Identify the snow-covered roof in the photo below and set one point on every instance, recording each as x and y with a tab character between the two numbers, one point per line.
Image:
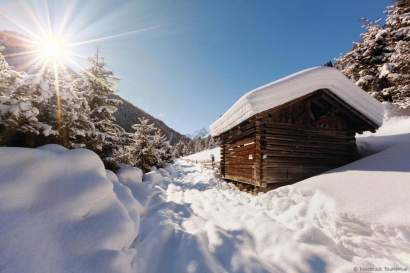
294	86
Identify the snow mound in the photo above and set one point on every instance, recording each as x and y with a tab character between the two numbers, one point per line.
153	177
59	213
128	174
375	188
372	188
53	148
294	86
395	131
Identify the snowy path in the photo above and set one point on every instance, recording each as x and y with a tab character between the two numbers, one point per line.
194	222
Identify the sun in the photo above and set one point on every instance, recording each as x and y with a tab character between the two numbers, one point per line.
53	49
50	41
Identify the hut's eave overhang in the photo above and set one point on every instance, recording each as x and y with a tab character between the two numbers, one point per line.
293	87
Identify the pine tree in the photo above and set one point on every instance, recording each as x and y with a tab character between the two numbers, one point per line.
66	109
20	103
163	148
189	148
144	150
179	149
147	147
380	62
98	84
125	151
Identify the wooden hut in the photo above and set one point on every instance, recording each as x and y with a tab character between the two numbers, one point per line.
294	128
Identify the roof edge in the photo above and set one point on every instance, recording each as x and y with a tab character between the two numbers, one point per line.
291	87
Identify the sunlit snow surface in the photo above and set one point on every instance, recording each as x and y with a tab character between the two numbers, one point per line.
60	211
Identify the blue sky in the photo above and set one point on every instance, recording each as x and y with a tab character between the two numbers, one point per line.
191	60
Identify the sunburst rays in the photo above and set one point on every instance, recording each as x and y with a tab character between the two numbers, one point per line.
48	44
46	39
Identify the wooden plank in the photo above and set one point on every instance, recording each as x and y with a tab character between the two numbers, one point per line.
307	140
241	142
239	160
279	161
238	167
305	150
244	149
240	179
346	148
277	129
232	138
248	174
238	132
305	155
309	143
307	164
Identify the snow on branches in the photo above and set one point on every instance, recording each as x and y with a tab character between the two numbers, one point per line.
146	147
20	102
74	110
380	62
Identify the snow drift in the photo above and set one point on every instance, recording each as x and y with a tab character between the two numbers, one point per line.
294	86
59	213
375	188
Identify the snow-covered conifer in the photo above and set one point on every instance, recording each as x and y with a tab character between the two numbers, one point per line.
179	149
380	62
20	103
163	148
147	147
66	109
144	150
98	85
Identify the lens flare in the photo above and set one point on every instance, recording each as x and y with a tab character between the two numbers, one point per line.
53	49
47	40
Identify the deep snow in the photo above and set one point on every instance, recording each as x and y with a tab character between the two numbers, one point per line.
61	211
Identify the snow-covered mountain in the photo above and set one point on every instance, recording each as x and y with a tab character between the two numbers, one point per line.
201	133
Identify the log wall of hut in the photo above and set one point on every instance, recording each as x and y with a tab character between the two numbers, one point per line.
238	149
280	146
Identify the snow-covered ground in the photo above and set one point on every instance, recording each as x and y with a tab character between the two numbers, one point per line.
61	211
205	156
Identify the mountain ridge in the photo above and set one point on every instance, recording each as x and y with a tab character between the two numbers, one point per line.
127	115
198	134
